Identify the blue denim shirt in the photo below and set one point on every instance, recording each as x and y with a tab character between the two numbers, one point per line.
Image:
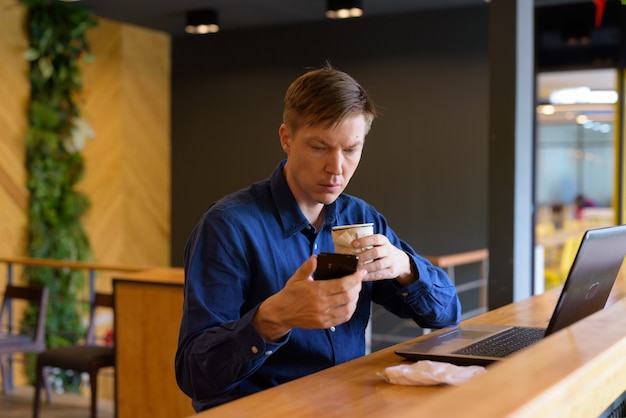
243	250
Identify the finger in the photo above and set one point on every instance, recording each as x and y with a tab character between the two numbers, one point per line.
369	255
342	285
352	281
369	241
350	288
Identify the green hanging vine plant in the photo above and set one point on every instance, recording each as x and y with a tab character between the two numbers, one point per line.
55	136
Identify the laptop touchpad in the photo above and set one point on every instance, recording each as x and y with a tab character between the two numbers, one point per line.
454	339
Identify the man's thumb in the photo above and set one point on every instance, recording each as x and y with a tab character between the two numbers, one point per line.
306	269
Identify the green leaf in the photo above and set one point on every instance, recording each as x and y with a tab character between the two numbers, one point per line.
31	54
46	68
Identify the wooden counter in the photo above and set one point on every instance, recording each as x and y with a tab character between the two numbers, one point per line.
148	308
577	372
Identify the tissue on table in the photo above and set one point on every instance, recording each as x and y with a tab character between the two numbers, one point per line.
429	373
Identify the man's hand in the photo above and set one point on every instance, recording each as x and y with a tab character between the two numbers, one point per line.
382	260
307	303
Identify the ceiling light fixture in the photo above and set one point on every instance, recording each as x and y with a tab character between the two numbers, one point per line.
583	95
342	9
200	22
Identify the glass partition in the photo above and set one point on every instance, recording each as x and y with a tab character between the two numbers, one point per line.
574	166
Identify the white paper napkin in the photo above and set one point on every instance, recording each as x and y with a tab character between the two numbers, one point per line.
429	373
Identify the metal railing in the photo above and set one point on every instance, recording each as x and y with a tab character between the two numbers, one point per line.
90	268
450	261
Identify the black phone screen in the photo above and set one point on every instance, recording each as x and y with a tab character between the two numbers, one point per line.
333	265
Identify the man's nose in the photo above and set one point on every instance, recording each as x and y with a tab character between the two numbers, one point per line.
335	163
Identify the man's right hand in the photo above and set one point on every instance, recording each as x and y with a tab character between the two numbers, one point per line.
307	303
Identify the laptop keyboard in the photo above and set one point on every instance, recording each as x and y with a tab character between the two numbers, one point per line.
504	343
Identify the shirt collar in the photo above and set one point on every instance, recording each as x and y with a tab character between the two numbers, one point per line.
291	217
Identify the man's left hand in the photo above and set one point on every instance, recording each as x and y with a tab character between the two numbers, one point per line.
382	260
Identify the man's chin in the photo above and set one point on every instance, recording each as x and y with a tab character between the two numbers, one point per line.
327	199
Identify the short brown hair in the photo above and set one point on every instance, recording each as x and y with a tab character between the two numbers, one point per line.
325	95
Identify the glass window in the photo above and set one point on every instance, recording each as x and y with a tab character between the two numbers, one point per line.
575	163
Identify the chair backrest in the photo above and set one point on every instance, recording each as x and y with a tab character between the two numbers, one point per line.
36	295
100	300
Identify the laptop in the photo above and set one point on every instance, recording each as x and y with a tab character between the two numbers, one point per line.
586	290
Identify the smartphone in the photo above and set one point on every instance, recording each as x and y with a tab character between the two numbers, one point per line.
333	265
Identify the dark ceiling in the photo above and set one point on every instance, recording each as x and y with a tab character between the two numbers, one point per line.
169	15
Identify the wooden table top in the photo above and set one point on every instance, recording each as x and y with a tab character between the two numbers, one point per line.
578	371
157	275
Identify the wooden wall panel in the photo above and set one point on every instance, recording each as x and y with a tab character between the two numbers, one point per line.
146	58
126	99
14	93
128	170
103	181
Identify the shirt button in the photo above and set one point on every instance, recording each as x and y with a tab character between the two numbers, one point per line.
315	246
332	329
269	353
405	294
254	349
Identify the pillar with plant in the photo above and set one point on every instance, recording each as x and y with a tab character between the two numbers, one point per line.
55	137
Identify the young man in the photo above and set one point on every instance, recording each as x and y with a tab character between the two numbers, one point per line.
253	316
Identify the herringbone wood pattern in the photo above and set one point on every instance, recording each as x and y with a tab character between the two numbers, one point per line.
126	99
128	163
14	91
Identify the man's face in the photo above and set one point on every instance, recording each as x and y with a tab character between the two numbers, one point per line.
321	161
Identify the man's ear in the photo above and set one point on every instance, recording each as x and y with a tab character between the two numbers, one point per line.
285	138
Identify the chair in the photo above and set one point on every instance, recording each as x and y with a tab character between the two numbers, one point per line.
14	340
555	277
85	358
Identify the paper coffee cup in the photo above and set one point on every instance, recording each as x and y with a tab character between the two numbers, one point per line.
343	236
